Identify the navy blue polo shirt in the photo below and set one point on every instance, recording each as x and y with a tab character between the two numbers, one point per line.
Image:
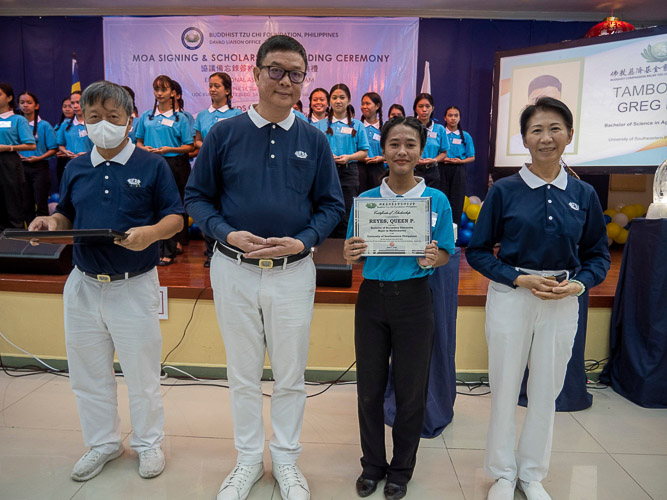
541	226
136	188
272	179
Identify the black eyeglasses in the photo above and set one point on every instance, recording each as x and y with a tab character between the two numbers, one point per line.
277	73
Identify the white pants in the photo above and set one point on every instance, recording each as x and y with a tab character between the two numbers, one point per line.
524	330
260	309
101	318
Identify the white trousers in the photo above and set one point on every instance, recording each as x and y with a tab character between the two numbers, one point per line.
260	310
101	318
522	330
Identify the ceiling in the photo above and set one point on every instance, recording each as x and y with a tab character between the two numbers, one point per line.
640	12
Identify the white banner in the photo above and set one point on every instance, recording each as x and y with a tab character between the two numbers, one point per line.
367	54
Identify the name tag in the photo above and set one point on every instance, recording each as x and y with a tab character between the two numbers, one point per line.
434	218
166	122
83	133
5	124
346	130
457	141
433	135
376	137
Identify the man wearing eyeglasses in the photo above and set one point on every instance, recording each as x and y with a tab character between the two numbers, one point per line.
265	186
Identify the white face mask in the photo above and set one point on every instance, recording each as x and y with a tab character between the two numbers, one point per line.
106	135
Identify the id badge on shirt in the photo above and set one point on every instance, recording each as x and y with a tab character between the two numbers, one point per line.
433	135
376	137
83	133
457	141
5	124
346	130
166	122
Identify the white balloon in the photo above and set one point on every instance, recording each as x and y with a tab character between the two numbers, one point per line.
620	218
474	200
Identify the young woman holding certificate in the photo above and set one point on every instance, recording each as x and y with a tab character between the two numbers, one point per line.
394	316
553	246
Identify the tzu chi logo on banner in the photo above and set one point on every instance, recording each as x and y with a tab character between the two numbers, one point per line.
192	38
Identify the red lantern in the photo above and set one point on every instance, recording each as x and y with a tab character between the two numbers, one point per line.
609	26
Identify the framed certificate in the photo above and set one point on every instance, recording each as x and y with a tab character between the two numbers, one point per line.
67	237
393	227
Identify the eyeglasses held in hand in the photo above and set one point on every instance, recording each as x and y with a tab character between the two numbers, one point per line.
277	73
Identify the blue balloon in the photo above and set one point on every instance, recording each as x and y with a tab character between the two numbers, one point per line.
54	198
464	237
464	219
469	226
607	219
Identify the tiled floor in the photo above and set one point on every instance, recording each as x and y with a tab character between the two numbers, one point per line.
612	451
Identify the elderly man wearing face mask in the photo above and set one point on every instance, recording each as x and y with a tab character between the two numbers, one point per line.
111	296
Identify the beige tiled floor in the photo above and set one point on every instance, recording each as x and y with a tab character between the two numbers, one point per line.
613	451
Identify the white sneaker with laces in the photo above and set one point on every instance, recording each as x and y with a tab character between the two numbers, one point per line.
502	489
239	482
293	485
533	490
92	462
151	463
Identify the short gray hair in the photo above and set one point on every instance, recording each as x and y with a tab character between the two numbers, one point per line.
102	91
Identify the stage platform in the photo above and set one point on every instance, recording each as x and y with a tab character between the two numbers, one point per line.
187	278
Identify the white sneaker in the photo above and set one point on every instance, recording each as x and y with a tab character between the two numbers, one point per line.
293	485
533	490
502	489
91	464
151	462
238	484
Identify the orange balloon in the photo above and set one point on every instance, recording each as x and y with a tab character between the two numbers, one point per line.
473	211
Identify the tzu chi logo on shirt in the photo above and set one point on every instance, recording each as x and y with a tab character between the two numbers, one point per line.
574	206
301	154
135	183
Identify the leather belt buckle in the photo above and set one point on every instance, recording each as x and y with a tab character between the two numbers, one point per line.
265	263
104	278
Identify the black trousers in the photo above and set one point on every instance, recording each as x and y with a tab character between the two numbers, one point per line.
392	318
36	189
61	163
349	182
11	190
453	184
180	168
370	175
431	175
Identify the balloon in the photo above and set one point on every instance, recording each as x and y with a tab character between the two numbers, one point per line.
464	218
610	212
466	202
469	225
54	198
619	206
609	241
641	210
190	221
612	230
629	210
622	237
607	219
621	219
474	200
473	211
464	237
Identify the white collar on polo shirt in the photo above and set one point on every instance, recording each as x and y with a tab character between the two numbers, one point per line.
375	125
6	115
166	114
334	120
75	121
260	121
222	109
415	192
122	157
454	132
534	181
32	122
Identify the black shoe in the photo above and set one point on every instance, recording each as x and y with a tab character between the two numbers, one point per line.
393	491
207	262
365	486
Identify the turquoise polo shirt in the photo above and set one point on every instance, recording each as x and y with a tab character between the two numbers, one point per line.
46	138
341	141
164	129
456	147
436	142
373	134
209	117
14	130
442	230
73	135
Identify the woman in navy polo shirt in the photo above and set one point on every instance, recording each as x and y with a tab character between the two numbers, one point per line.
349	144
220	90
35	163
460	152
15	136
166	131
394	316
435	150
553	247
372	171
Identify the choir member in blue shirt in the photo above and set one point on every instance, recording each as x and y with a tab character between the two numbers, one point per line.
349	144
553	247
220	90
460	152
66	114
372	168
15	137
435	150
318	107
35	163
394	318
396	110
72	136
166	131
